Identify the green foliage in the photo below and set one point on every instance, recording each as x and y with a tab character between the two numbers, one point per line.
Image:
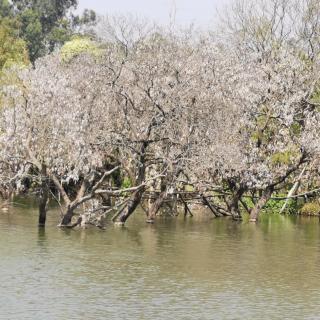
316	96
256	136
39	20
13	50
248	202
264	129
78	46
274	205
32	33
126	183
60	34
9	77
281	158
88	18
5	8
44	25
284	158
295	129
310	209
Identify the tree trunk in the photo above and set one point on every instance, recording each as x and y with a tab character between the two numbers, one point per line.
233	200
266	195
186	208
293	190
234	209
44	197
208	204
131	206
67	217
156	206
233	205
84	221
136	196
43	206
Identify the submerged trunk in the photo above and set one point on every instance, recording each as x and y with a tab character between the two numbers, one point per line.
130	207
156	206
173	205
67	217
234	209
186	208
293	190
43	207
5	196
233	204
44	197
211	207
136	196
266	195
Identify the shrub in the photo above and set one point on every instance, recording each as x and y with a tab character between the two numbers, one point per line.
79	46
310	209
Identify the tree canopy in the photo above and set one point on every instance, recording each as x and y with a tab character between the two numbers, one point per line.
13	50
44	25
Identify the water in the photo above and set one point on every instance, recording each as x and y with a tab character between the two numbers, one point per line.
176	269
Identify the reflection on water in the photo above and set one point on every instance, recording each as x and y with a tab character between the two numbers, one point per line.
175	269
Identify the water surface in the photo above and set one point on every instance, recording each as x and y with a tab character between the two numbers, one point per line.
175	269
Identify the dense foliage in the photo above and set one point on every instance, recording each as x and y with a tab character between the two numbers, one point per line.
44	25
13	50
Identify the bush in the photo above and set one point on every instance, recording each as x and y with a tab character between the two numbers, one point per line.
274	206
77	46
310	209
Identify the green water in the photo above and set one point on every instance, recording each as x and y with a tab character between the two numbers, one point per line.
175	269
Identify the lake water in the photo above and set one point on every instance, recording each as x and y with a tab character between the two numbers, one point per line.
175	269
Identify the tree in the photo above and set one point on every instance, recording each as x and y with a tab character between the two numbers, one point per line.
52	112
45	25
12	49
5	9
273	77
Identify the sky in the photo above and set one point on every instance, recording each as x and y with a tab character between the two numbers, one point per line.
199	12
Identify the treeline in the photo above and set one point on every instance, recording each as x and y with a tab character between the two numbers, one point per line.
150	116
30	29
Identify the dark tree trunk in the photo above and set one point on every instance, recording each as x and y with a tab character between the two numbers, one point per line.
234	209
233	204
43	206
131	206
186	208
44	197
208	204
265	197
136	196
67	217
232	201
155	207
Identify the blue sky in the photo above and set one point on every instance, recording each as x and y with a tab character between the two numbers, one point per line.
200	12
